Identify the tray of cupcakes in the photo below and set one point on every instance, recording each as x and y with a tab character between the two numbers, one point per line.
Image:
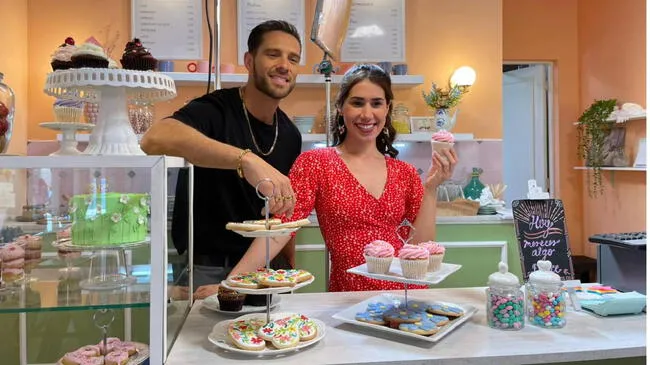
251	334
420	264
427	320
268	281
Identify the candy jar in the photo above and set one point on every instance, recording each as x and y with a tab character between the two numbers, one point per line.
6	114
401	119
505	300
545	304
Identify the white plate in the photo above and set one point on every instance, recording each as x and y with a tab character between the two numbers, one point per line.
137	359
219	336
273	290
268	233
347	316
395	274
212	303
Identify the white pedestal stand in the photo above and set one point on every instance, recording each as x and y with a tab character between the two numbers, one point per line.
68	144
112	89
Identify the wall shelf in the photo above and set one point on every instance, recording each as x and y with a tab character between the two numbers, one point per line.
630	168
304	80
632	118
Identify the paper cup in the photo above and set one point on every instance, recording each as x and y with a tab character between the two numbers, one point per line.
435	262
378	265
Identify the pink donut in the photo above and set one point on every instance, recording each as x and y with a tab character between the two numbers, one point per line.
111	344
128	347
89	351
14	264
11	252
73	358
116	358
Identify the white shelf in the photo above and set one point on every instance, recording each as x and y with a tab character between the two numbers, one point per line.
87	161
612	168
613	120
417	137
304	80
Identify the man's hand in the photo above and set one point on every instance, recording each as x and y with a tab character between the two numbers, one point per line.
281	199
205	291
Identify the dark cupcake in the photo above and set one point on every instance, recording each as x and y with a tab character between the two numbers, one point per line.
256	300
61	58
136	57
230	300
90	54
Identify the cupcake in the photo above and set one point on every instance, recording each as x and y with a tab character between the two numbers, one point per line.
136	57
90	54
67	111
230	300
436	254
61	58
441	140
256	300
414	261
379	255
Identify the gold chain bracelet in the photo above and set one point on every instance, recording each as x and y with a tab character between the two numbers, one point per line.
240	169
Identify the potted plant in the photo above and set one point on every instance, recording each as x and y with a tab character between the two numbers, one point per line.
441	101
593	129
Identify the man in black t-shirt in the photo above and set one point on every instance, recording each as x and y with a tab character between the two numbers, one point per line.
235	138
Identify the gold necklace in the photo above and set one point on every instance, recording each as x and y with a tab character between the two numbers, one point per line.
275	120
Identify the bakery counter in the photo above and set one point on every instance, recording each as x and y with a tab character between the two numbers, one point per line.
469	219
585	337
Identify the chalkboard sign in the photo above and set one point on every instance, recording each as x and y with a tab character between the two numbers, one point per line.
541	232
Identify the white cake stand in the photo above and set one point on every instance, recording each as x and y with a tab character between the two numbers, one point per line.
112	89
68	145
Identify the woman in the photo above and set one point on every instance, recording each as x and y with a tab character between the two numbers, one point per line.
360	191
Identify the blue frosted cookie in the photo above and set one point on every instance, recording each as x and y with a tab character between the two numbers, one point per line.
438	320
445	310
397	316
370	317
416	306
377	308
426	326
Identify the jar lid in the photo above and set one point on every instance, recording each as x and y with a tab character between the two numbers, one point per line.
544	275
503	277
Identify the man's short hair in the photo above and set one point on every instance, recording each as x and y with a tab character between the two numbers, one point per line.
257	34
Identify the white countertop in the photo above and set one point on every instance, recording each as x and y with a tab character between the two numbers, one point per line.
585	337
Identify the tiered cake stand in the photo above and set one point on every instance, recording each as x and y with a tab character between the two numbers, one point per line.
68	145
112	89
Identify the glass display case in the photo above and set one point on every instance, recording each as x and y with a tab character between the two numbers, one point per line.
98	258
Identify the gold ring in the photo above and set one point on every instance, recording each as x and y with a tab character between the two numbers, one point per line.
278	198
288	198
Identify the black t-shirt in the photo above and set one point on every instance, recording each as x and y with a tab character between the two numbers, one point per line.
220	196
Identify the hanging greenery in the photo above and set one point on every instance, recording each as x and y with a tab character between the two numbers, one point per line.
593	129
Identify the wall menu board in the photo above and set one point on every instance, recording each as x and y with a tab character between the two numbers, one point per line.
253	12
377	32
540	226
172	29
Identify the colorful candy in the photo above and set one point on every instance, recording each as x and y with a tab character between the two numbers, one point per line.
505	312
547	309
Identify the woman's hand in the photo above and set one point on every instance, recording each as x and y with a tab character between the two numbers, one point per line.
205	291
442	168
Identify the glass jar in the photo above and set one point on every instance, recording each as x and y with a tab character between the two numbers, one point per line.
505	300
545	303
401	119
474	187
7	102
140	116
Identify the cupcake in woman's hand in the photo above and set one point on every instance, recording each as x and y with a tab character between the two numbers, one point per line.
90	54
414	261
379	255
436	254
136	57
441	140
61	58
230	300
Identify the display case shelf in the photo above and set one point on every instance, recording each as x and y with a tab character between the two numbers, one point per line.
630	168
82	161
304	80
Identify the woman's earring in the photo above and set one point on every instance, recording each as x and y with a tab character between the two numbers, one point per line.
341	128
386	132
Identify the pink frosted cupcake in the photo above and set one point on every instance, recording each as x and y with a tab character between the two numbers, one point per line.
441	140
379	255
436	254
414	260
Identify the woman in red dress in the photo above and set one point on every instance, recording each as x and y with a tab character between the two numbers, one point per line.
360	191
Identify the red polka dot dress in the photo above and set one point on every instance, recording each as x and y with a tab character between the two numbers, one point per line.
349	216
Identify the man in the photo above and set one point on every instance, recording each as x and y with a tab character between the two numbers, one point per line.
235	138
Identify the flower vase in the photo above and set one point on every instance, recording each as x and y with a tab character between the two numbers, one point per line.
444	119
7	101
474	188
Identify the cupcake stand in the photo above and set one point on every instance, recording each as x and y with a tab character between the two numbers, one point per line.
68	145
219	335
111	89
395	275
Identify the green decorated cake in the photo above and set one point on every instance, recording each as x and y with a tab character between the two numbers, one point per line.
109	218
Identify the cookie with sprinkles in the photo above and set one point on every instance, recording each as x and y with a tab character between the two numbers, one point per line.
245	280
243	334
276	279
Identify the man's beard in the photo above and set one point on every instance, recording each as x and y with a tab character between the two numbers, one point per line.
263	84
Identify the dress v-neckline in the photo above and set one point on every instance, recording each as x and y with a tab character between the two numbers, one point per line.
351	175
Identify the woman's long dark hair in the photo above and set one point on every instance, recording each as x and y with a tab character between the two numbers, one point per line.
379	77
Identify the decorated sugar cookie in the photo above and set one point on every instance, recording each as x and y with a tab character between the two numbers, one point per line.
243	334
307	328
245	280
371	317
445	310
425	326
276	279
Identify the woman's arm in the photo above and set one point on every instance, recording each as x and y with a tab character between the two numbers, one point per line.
442	168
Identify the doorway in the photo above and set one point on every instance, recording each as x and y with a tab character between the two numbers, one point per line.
527	128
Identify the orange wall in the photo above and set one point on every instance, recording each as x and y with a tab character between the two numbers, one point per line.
612	55
547	30
466	32
13	18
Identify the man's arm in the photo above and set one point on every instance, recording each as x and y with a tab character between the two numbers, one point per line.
172	137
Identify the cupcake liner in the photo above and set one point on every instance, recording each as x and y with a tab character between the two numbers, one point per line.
414	269
439	146
435	262
66	114
378	265
231	302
